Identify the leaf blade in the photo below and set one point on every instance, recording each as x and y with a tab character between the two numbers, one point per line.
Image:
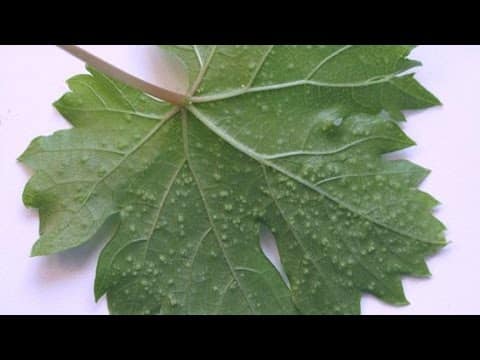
290	137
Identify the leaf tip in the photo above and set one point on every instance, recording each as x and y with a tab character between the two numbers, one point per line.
97	297
98	290
40	248
36	251
403	302
435	101
407	142
21	157
400	299
57	104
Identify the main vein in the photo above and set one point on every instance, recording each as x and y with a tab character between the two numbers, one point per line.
238	92
207	210
147	137
290	227
265	161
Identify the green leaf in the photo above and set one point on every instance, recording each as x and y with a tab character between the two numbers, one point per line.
287	137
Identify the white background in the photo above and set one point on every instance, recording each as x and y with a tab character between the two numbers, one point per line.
448	138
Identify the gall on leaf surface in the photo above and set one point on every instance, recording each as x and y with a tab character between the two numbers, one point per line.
287	137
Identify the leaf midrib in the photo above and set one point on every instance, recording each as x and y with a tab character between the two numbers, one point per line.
134	149
308	255
207	210
238	92
307	80
261	160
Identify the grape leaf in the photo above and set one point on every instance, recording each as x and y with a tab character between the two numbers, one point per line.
287	137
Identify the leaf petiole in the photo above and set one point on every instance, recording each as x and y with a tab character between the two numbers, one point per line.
120	75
